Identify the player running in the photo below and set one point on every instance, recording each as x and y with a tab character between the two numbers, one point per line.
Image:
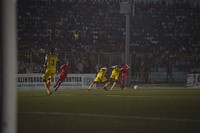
124	75
100	77
63	74
114	77
50	65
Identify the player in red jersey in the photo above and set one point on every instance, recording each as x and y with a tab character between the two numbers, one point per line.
63	74
124	75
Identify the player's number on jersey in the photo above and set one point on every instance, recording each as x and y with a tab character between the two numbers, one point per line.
52	62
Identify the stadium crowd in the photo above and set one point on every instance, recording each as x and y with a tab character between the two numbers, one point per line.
92	26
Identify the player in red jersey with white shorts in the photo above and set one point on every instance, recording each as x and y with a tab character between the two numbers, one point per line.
63	74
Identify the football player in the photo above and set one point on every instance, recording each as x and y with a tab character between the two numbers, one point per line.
50	65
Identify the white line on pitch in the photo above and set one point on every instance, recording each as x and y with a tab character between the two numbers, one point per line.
140	96
116	116
149	96
131	96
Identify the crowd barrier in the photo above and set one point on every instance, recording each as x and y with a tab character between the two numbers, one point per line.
81	81
73	81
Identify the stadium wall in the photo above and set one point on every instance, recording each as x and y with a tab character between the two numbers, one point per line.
176	77
73	81
82	81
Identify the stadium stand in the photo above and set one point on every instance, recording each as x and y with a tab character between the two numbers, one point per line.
162	33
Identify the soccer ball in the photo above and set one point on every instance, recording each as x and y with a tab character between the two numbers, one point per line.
135	87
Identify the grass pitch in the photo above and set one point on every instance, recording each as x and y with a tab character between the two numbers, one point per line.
150	110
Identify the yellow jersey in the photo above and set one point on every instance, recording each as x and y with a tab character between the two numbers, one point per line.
116	71
51	62
101	75
102	72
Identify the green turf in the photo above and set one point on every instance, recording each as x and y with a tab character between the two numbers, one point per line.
129	111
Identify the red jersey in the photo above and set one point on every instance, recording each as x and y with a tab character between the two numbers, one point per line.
64	69
125	70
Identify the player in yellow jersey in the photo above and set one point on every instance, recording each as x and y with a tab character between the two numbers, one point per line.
50	65
114	77
100	77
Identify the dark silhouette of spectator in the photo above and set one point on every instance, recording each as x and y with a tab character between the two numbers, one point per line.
156	27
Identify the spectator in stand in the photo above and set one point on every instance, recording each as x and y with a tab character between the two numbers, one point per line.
157	26
80	67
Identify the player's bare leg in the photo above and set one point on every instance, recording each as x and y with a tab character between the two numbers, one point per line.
122	84
91	86
57	86
104	87
47	85
114	84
